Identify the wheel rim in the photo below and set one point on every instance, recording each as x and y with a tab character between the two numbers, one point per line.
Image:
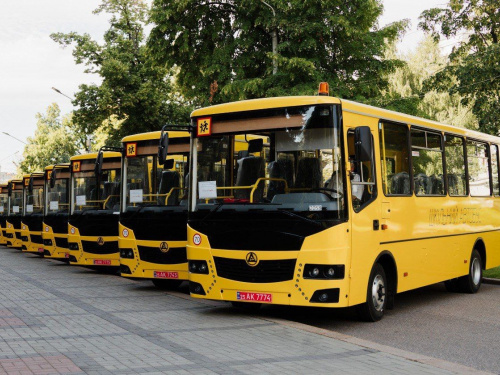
378	293
475	270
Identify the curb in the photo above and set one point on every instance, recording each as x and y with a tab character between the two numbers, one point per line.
415	357
488	280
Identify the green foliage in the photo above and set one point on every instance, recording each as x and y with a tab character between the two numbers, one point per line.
223	49
407	92
134	90
54	141
474	71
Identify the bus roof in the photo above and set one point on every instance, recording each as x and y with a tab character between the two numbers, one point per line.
37	174
347	105
62	165
154	135
15	181
93	155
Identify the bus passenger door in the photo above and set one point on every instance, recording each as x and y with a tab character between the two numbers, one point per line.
364	208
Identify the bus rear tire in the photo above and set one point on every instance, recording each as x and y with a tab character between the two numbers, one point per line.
471	282
167	284
376	296
246	306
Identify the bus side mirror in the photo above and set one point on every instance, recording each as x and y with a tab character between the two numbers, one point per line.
363	143
98	164
53	178
163	148
9	191
30	186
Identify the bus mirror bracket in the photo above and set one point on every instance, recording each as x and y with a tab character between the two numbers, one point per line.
363	143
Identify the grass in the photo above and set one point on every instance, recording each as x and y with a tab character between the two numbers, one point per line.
494	273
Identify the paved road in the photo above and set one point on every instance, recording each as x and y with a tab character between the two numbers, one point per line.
61	319
461	328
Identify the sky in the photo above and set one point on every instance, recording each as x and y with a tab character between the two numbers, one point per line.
31	63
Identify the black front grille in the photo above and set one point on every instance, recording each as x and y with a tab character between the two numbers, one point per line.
61	242
108	247
266	271
4	233
35	238
18	235
174	255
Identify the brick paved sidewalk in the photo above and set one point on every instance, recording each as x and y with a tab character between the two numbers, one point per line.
61	319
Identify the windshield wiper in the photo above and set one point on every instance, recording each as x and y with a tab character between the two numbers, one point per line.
291	214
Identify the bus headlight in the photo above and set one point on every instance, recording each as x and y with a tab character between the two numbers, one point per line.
198	266
127	253
324	271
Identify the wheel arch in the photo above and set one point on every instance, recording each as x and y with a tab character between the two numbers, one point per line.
480	246
387	261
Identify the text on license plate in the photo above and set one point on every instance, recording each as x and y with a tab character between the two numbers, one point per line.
102	262
40	249
166	275
255	297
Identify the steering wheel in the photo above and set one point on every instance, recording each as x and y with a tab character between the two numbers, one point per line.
328	189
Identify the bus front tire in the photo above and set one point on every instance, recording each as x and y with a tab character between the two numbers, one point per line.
471	282
376	296
167	284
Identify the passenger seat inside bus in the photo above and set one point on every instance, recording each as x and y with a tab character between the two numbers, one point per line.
111	190
308	174
169	180
281	168
250	169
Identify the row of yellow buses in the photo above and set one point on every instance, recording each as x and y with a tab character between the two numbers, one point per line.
305	201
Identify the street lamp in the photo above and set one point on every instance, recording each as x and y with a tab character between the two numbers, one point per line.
17	139
63	94
274	37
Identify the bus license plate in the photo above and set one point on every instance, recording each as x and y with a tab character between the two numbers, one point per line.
166	275
254	297
66	255
102	262
40	249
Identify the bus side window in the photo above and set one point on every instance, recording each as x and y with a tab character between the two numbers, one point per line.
494	169
477	163
427	160
455	165
395	159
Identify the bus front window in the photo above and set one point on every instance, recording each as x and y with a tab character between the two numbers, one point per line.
152	184
87	195
57	197
16	202
289	162
34	200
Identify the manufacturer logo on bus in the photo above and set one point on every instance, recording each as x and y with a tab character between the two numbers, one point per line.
100	241
252	259
164	247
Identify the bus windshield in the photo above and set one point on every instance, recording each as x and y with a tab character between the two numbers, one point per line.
34	200
286	159
16	203
151	184
57	196
86	195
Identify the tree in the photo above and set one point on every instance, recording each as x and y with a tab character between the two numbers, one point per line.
474	71
406	91
54	141
223	49
133	89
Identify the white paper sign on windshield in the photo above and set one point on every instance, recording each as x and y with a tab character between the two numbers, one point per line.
54	205
136	196
207	189
29	208
81	200
15	209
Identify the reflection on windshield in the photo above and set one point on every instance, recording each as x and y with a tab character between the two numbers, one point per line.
87	196
34	200
4	204
16	203
151	184
294	168
57	196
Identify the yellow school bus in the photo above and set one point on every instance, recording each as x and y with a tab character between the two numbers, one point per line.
4	209
341	204
14	216
32	219
55	220
152	232
94	209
